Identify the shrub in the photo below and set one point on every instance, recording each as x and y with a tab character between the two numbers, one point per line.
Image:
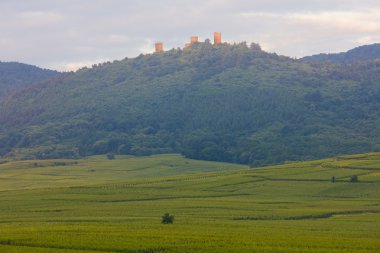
110	156
354	179
59	164
333	179
167	219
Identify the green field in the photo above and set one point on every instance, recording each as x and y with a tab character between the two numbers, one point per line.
100	205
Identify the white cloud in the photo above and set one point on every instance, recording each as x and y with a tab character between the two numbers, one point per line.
368	21
73	66
118	38
146	47
41	16
305	33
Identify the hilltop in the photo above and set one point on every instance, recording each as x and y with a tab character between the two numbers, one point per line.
362	53
232	103
16	76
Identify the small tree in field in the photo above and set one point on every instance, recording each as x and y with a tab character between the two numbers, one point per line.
354	179
333	179
167	219
110	156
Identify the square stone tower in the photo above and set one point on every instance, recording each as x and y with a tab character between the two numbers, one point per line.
159	46
217	38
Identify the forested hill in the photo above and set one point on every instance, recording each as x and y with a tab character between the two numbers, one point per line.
15	76
227	103
362	53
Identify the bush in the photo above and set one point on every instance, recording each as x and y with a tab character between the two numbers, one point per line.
167	219
60	164
354	179
333	179
110	156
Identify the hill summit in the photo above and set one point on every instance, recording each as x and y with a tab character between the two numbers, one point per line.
232	103
16	76
362	53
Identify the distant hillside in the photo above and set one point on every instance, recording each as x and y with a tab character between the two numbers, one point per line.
363	53
15	76
227	103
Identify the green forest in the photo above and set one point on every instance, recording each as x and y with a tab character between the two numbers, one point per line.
362	53
15	76
230	103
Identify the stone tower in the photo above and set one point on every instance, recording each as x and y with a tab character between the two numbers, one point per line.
193	39
159	46
217	38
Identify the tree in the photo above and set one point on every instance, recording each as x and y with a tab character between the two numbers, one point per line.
110	156
167	219
354	179
333	179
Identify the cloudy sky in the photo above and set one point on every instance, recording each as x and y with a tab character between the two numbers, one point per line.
68	34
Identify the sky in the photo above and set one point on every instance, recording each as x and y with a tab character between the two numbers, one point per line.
68	34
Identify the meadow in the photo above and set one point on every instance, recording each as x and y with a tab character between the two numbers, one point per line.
100	205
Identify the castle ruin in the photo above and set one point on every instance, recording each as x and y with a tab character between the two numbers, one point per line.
159	46
217	38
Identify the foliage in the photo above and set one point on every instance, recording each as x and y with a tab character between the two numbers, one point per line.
230	103
167	219
16	76
362	53
110	156
354	179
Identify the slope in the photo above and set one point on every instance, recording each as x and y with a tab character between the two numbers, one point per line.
16	76
362	53
226	103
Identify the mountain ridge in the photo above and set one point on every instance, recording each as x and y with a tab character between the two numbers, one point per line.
15	76
361	53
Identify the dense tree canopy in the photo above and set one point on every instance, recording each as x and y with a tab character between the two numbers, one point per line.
231	103
362	53
17	76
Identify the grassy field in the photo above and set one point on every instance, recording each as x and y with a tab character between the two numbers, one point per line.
100	205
